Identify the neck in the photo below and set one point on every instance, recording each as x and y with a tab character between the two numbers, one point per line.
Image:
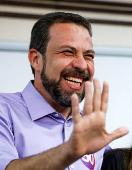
65	111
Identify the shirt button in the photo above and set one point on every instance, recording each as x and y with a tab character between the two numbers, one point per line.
56	115
65	124
72	166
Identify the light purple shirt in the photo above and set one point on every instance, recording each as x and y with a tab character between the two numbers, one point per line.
29	126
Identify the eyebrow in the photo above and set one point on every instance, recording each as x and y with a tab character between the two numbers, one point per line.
90	51
74	49
67	46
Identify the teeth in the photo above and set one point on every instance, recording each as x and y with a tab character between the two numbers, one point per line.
73	83
74	79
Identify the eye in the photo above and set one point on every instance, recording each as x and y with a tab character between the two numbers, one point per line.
89	56
68	53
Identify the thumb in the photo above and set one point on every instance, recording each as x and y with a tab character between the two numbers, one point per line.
120	132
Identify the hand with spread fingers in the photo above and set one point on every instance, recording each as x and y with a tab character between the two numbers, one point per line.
89	134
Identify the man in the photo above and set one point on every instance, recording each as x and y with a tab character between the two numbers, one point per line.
42	128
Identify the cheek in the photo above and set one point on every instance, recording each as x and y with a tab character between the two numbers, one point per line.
54	68
61	64
51	72
91	69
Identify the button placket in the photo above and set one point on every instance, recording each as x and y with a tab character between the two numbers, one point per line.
66	124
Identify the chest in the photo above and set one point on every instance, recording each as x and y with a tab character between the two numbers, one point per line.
33	137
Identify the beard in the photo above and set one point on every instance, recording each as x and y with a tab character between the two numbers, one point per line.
60	95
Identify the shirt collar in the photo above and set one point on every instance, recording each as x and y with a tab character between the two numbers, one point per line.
37	106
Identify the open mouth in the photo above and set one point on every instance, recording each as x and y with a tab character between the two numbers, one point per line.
73	80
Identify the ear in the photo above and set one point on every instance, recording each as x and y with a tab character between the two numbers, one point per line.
35	59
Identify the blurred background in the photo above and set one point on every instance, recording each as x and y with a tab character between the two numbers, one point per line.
112	38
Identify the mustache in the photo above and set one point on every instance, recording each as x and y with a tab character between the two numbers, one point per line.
77	73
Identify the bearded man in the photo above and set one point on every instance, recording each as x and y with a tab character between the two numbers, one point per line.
42	128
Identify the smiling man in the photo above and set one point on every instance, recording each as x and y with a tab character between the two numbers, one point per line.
68	64
42	127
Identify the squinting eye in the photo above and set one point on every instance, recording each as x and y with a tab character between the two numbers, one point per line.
68	53
89	57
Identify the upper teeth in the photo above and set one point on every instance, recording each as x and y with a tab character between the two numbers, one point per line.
74	79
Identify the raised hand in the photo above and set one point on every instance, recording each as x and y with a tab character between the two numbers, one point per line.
89	134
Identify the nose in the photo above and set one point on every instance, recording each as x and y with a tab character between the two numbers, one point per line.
80	63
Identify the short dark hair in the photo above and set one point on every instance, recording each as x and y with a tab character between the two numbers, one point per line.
40	30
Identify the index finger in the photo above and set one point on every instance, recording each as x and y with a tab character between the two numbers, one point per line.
105	97
75	108
88	107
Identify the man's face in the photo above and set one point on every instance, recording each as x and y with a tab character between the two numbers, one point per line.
69	62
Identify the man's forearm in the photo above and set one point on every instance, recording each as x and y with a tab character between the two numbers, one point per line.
55	159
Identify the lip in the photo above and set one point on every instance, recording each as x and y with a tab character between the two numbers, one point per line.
79	77
71	86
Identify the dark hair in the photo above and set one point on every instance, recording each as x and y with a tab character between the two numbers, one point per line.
129	159
120	159
127	163
40	30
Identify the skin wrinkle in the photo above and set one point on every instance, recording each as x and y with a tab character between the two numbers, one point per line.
53	85
57	62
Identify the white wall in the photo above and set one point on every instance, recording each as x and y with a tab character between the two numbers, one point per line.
15	72
117	71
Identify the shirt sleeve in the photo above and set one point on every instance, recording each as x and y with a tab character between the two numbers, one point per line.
8	150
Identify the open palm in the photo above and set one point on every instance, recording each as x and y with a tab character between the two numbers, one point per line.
89	134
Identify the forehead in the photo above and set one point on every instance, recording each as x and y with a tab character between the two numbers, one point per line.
66	27
70	33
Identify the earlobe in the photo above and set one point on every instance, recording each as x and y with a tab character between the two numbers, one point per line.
35	59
